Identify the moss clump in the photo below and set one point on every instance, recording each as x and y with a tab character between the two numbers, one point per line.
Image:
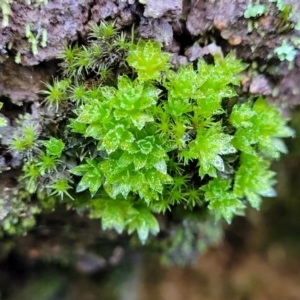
133	137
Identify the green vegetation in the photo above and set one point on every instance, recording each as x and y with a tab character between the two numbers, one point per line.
2	120
34	39
131	137
279	4
6	8
6	11
17	212
286	21
286	51
254	10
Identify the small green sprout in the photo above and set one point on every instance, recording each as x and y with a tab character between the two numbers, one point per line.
77	93
69	57
25	138
286	51
60	186
285	12
103	31
44	38
254	10
104	73
54	147
148	60
92	177
2	120
31	173
194	196
18	58
222	200
56	93
143	222
31	39
6	11
46	163
84	60
34	40
208	147
121	42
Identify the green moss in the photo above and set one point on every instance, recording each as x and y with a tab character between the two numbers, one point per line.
254	10
2	120
286	51
17	212
144	138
